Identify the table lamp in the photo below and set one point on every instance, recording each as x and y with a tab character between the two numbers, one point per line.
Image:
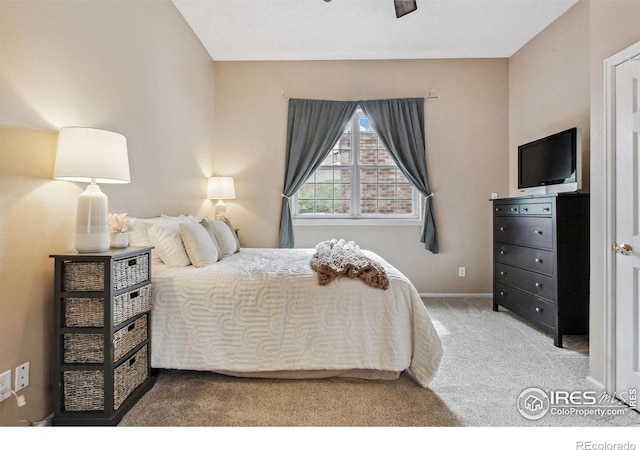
92	156
221	188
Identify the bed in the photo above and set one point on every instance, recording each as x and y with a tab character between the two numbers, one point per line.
261	312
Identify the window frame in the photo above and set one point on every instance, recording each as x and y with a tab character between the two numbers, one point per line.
356	217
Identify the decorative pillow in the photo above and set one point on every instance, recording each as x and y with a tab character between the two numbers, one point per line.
165	237
138	234
198	244
139	237
235	235
225	237
208	226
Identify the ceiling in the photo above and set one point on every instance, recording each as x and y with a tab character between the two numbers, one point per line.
273	30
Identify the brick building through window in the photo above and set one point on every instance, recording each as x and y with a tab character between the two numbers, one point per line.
358	179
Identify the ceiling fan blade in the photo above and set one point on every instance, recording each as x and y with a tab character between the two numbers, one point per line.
404	7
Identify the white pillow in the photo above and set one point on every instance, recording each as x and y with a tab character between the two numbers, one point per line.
225	238
138	235
207	224
198	244
165	237
235	235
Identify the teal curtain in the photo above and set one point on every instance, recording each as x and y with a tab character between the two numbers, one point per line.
313	128
400	126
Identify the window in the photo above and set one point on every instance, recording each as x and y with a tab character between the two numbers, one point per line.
357	180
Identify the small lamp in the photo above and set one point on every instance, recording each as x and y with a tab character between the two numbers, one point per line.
92	156
221	188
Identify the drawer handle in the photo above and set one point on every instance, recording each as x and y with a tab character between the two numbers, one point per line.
498	209
525	209
538	309
503	294
503	228
545	208
503	252
539	285
132	361
131	327
132	262
539	232
503	273
514	209
539	260
134	295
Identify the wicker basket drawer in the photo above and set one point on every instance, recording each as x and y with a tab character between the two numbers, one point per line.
127	338
131	304
89	276
130	271
89	348
83	348
83	312
89	312
84	389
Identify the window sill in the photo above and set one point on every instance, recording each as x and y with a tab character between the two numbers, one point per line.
357	222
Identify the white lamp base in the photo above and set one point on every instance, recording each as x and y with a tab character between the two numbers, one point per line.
92	221
221	208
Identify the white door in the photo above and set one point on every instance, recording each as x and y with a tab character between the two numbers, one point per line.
627	230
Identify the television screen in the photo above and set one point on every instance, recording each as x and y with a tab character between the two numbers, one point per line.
548	161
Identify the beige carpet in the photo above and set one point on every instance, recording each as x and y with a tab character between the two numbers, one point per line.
489	359
206	399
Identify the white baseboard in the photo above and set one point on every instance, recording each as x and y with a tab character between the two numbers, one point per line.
445	295
595	383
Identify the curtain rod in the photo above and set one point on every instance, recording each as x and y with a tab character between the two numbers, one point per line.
430	96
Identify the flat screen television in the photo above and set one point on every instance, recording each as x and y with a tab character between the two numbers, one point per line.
551	164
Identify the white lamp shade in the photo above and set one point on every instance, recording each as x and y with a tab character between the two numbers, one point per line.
221	188
86	154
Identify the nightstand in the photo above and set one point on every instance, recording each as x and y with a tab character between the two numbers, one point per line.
101	335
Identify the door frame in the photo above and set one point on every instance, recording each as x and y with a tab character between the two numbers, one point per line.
609	195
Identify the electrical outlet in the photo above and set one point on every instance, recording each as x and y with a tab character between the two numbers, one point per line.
22	376
462	271
5	385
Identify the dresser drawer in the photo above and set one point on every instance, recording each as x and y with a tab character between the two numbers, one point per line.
89	348
506	209
536	209
532	282
527	305
531	231
86	276
540	261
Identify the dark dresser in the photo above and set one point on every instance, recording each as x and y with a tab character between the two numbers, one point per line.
102	344
541	261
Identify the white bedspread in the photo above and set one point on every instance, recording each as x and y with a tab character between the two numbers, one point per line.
263	310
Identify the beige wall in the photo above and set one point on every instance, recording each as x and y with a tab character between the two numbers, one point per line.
556	81
466	135
131	67
549	87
